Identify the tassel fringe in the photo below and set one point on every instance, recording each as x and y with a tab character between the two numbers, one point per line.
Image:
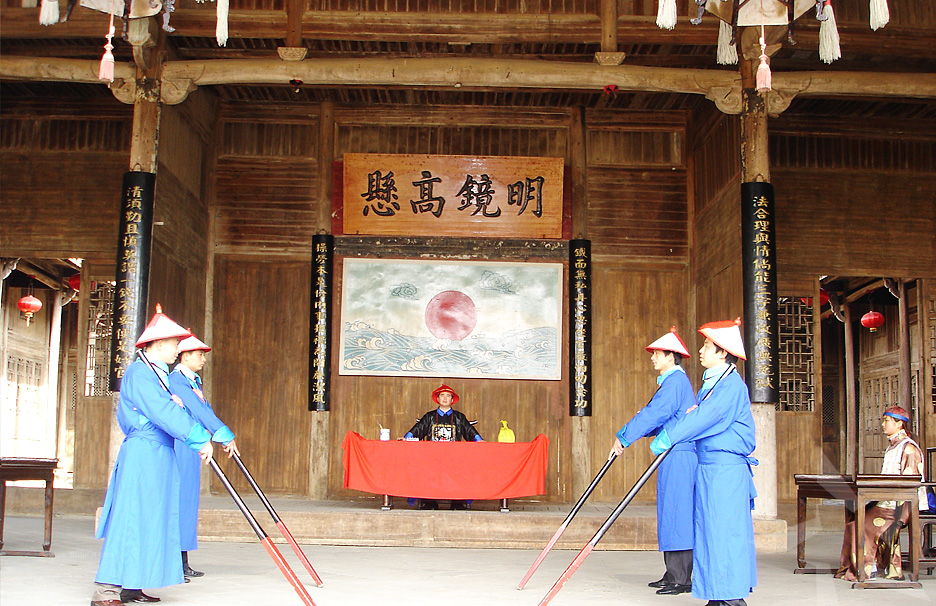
762	79
106	71
221	33
880	15
49	13
666	14
829	47
727	54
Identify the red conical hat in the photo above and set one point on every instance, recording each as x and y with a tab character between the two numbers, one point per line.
670	342
193	344
727	335
442	389
161	327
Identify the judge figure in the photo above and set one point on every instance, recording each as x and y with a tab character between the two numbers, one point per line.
444	424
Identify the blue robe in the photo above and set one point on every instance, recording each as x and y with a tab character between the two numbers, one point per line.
140	518
189	461
676	474
723	560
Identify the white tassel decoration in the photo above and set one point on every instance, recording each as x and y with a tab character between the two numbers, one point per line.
221	32
762	79
106	71
880	15
727	54
829	47
666	14
49	13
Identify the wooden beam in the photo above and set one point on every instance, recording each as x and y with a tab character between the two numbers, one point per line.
294	22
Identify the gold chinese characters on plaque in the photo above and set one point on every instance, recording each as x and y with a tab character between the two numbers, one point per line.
487	196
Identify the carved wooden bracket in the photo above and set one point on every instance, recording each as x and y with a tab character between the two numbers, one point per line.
605	58
726	98
176	91
292	53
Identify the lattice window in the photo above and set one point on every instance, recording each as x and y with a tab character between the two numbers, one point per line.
829	405
796	356
100	314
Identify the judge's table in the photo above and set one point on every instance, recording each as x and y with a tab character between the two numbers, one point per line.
446	470
21	468
857	492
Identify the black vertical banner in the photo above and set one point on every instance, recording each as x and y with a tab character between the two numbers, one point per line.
323	250
580	395
132	272
761	327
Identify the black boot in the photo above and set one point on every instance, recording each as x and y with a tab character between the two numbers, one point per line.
187	570
129	596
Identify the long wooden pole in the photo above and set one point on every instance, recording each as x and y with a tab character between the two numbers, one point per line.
852	446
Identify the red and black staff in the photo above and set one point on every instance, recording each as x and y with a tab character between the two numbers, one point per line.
604	528
565	523
264	538
279	522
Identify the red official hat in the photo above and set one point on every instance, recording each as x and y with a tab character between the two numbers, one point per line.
444	389
161	327
727	335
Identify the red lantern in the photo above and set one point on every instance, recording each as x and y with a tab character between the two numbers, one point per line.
74	282
872	320
823	298
29	305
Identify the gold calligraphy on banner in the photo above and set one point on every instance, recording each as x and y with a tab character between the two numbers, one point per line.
128	268
321	295
424	195
763	268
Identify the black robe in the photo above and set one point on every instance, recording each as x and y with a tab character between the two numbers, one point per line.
444	428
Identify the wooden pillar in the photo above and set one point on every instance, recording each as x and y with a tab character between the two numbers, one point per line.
755	170
580	447
609	20
906	393
851	402
319	429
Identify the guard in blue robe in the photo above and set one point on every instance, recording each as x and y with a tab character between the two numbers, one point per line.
140	518
722	427
185	381
676	474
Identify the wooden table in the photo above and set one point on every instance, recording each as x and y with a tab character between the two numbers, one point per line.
19	468
857	493
818	487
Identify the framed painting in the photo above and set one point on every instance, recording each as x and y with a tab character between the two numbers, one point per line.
472	319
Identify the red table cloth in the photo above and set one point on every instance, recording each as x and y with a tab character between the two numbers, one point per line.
446	470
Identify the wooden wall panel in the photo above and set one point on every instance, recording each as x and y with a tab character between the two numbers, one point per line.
632	308
855	222
260	368
799	449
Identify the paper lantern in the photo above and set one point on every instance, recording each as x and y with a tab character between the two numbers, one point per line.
74	282
872	320
29	305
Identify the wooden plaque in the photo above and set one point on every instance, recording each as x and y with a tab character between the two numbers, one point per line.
423	195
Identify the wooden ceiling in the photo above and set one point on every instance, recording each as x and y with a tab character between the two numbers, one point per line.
545	30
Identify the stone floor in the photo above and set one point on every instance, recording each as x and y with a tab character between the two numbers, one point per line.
242	573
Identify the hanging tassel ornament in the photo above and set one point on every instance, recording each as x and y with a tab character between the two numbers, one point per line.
879	14
727	54
666	14
829	47
221	32
763	70
106	72
49	13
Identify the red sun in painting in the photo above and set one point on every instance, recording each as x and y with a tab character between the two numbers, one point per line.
451	315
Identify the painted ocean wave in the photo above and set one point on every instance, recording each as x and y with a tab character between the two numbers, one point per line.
528	353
